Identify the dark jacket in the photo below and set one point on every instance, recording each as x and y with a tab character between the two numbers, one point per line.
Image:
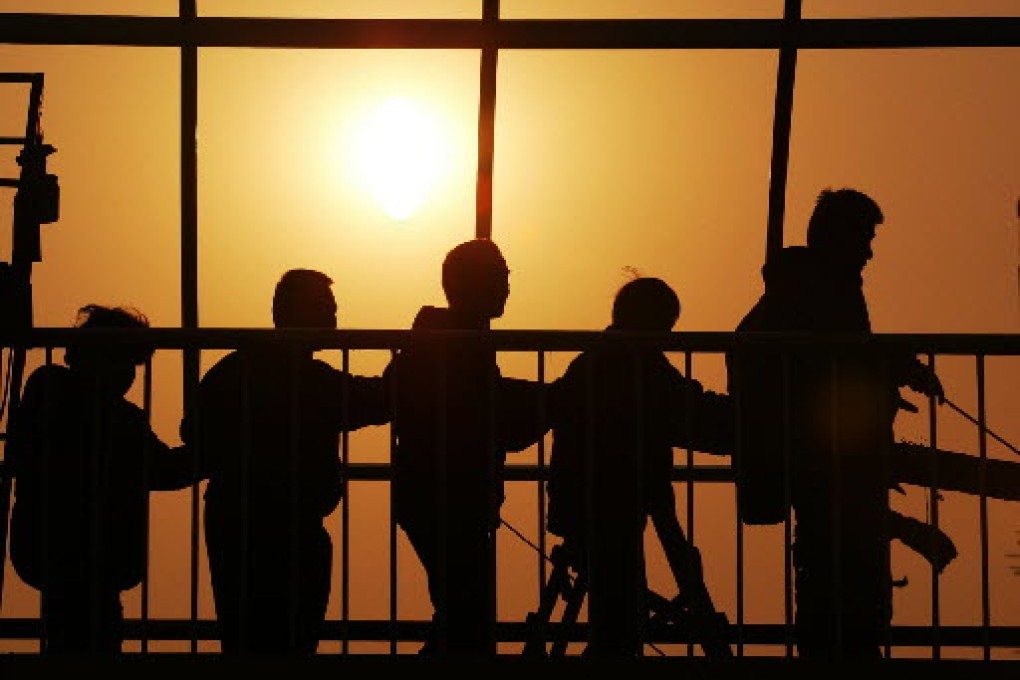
266	427
455	419
84	461
618	416
819	401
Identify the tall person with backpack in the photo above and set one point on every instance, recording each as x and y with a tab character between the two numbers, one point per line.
815	432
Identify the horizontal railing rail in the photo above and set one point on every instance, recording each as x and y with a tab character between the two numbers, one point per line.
974	344
511	34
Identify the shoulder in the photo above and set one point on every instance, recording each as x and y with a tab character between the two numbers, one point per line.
47	373
225	364
227	368
432	318
48	377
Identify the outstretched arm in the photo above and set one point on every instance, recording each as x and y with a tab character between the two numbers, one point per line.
524	412
171	468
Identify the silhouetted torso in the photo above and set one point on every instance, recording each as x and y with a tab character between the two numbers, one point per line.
444	419
268	423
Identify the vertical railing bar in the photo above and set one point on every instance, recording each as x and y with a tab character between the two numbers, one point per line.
393	525
781	124
933	511
146	472
638	359
836	511
47	448
492	574
540	484
589	474
99	450
983	506
247	452
738	447
440	623
293	472
689	484
788	471
345	512
486	120
188	12
884	521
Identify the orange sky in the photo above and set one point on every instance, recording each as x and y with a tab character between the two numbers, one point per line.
656	160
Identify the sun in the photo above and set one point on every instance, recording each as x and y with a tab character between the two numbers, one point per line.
399	154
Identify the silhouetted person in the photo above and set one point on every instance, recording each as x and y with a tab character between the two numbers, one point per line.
266	426
831	413
84	460
455	418
618	412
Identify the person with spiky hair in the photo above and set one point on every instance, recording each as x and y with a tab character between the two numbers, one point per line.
618	412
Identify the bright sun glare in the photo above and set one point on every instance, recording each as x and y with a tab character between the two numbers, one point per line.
399	155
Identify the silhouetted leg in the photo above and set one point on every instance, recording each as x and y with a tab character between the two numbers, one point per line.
573	599
616	592
471	618
423	538
558	586
79	623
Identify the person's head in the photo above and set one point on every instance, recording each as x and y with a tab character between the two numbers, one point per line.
843	225
476	280
645	304
304	299
115	362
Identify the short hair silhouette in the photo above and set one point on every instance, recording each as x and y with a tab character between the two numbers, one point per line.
838	211
645	303
301	299
468	269
100	316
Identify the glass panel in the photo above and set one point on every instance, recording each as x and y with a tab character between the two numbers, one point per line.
325	9
837	9
641	9
154	8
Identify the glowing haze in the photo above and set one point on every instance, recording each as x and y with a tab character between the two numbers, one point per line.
399	154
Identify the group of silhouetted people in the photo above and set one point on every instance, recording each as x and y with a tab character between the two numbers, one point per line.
807	430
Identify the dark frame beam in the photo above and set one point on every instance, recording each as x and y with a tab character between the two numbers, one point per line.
67	29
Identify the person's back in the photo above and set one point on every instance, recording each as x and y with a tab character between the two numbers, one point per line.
444	413
84	460
266	427
270	422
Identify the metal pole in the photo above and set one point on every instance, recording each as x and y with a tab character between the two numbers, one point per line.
189	256
781	131
486	121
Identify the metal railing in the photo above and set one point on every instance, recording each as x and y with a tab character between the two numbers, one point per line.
985	639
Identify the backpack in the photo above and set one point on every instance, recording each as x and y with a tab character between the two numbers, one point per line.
755	380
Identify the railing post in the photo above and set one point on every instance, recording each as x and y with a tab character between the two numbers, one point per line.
189	256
